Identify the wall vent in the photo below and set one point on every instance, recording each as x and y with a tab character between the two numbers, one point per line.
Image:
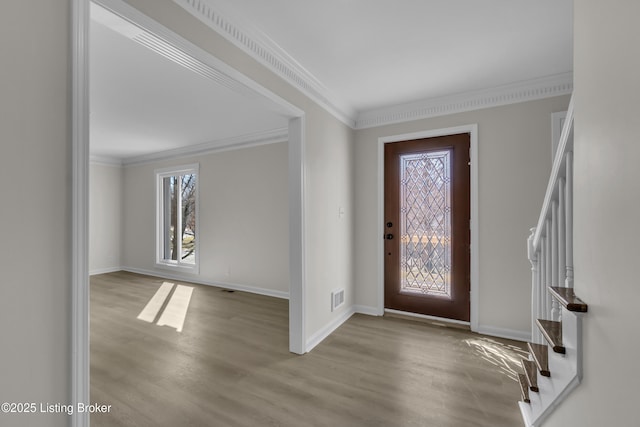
337	299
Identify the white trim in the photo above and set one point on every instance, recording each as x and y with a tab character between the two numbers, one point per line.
557	123
161	261
472	129
260	47
546	87
525	411
217	16
511	334
273	136
219	145
185	53
105	161
297	241
426	317
366	310
225	285
79	220
323	333
105	270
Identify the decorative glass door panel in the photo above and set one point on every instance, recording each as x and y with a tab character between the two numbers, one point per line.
425	223
426	226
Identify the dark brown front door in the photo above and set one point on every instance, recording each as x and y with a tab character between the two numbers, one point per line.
426	229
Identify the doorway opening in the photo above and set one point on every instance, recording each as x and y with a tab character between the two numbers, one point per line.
205	62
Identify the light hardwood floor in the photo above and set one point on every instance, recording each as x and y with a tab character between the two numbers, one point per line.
230	366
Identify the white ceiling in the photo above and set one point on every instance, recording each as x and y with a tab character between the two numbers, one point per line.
377	53
363	54
143	103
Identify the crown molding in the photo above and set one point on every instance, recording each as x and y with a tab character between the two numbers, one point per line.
120	18
96	159
545	87
224	144
267	52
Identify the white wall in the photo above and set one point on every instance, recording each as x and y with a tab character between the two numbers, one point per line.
35	224
514	144
105	218
607	209
325	139
244	234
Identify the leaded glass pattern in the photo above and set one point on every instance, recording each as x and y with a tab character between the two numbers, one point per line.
425	223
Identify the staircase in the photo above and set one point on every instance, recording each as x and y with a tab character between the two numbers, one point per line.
554	367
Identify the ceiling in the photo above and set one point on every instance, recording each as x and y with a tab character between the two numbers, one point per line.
143	103
363	54
376	53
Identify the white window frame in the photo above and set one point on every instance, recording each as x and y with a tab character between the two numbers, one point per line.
161	262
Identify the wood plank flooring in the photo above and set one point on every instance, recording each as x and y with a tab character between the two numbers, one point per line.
230	366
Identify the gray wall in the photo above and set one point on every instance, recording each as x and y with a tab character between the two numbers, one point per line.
35	296
105	218
244	217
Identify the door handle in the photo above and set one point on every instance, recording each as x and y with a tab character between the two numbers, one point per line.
389	236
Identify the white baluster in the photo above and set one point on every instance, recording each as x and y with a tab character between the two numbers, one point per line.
569	216
548	270
542	261
555	305
562	237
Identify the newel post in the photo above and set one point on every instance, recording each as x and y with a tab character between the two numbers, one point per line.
535	286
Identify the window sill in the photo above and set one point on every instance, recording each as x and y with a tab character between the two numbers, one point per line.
192	269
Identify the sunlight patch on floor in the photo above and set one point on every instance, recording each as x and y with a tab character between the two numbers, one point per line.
153	307
168	305
505	357
175	312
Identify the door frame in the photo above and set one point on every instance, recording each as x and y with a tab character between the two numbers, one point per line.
472	129
79	127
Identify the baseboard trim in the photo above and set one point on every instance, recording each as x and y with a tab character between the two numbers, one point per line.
504	333
368	310
104	270
225	285
323	333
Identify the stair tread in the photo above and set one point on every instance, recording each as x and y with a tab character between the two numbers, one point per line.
540	354
530	374
552	332
568	299
524	388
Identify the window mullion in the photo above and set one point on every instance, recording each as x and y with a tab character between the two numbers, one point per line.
179	219
165	234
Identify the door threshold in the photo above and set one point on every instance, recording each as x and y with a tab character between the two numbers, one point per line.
433	320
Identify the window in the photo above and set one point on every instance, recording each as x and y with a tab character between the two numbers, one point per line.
177	218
